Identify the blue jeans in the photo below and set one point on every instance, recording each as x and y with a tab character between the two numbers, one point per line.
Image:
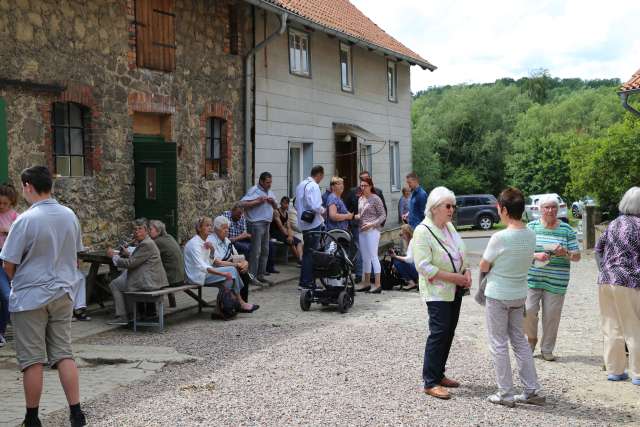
311	241
5	290
443	319
235	284
406	270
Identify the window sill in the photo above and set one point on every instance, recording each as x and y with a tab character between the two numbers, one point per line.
305	76
213	176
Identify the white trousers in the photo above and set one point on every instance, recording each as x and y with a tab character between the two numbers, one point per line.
369	241
79	291
620	321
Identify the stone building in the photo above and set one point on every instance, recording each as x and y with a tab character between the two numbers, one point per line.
136	106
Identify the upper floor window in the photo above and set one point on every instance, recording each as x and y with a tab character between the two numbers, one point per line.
392	81
234	29
299	54
394	161
216	146
69	138
346	73
156	34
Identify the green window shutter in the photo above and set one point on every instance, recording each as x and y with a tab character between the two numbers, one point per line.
4	146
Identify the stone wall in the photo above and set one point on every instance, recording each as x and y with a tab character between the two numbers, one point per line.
88	48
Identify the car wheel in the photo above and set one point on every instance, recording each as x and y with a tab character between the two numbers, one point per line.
485	222
575	212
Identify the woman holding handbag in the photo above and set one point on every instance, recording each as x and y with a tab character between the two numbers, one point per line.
439	255
371	215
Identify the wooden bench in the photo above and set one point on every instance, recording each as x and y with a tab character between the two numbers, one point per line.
279	246
157	297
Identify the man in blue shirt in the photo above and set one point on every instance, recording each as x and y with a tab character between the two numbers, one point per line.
417	202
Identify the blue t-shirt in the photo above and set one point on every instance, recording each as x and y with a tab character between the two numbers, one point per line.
417	203
342	209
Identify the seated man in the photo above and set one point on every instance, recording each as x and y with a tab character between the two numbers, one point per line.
144	270
170	252
198	268
241	239
79	297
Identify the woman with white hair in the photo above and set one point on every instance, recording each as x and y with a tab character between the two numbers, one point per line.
200	271
439	255
618	255
548	278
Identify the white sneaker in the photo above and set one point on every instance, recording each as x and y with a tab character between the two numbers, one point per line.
2	341
530	399
497	399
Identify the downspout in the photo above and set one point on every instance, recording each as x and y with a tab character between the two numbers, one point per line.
624	97
248	75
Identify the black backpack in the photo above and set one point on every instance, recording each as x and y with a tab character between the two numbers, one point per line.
389	277
227	305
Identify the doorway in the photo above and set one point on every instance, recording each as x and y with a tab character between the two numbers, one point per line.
156	187
347	161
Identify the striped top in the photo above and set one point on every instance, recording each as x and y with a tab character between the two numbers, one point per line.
553	277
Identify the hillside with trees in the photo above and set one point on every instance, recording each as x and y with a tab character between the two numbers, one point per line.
541	134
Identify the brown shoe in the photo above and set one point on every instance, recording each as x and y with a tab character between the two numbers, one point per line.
448	382
437	391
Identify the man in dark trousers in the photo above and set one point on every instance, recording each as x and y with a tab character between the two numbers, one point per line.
351	201
40	256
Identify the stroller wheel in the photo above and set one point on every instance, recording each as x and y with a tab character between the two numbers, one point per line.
345	301
305	300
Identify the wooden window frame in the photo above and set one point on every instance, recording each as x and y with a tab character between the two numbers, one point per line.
345	47
302	34
67	129
211	162
155	34
392	81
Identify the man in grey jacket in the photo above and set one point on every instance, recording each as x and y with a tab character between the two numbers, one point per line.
144	270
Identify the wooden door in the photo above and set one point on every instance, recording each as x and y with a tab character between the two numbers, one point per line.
347	163
156	187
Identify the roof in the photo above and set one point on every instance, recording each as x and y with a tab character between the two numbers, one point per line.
632	84
344	18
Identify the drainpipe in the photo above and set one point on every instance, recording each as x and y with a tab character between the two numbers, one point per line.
248	75
624	97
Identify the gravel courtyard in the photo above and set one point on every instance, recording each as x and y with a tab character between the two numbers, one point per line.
282	366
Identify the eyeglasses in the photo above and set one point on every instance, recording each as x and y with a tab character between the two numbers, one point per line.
449	206
550	208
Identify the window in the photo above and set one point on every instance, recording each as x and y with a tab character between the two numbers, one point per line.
234	28
299	58
392	81
300	164
346	74
156	34
68	138
215	146
366	158
394	160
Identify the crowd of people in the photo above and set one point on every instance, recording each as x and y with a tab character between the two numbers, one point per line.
524	270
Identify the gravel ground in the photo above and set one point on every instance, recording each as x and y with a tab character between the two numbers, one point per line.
282	366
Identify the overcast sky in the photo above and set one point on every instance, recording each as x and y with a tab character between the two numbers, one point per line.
473	41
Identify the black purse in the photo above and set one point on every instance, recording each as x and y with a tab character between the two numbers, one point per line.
307	215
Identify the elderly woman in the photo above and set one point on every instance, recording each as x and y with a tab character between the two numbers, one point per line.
200	271
224	254
548	278
440	258
170	252
338	216
506	260
371	214
281	229
404	264
618	255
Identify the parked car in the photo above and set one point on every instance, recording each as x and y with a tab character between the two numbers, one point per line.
478	210
532	208
577	207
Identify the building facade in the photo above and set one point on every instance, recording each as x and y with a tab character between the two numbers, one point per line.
135	105
330	90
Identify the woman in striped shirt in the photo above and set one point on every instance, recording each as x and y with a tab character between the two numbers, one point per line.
556	247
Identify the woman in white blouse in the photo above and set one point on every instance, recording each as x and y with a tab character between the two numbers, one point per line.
200	271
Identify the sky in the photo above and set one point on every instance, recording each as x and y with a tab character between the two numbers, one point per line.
479	41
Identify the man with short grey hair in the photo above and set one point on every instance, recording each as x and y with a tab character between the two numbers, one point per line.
40	256
144	270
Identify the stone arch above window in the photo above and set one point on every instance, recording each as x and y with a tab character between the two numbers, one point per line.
216	140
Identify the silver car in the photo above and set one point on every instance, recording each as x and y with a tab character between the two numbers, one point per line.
532	208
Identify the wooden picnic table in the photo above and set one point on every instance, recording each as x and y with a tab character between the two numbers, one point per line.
97	258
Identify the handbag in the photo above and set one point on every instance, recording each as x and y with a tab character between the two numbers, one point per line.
389	277
307	215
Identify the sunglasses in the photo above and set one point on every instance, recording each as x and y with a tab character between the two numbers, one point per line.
449	206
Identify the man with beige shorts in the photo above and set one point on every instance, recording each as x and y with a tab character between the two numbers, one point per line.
40	256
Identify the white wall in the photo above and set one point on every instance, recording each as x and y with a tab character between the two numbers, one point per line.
290	108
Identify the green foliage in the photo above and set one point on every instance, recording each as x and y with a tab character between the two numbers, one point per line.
539	133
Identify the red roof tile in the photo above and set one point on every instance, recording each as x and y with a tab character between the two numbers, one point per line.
633	83
345	18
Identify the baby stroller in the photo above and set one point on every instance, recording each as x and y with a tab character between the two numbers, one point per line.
332	268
